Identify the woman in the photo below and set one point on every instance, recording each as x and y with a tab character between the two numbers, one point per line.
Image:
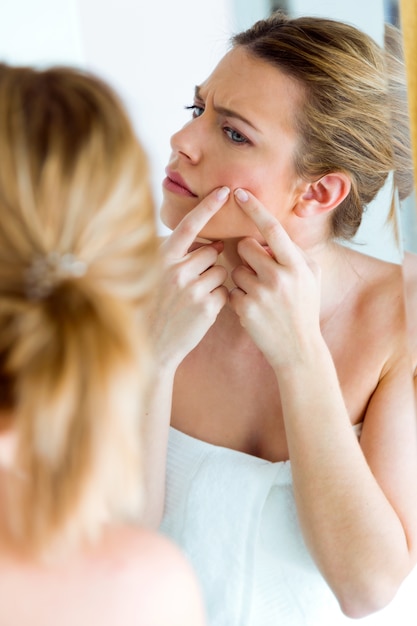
282	360
78	261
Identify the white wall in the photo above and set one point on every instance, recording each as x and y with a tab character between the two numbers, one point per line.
153	53
40	31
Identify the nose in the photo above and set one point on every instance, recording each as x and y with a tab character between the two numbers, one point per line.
187	142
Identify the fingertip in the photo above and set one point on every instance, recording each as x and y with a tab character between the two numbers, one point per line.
241	195
222	193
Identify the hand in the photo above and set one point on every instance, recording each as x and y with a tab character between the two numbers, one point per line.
191	293
277	294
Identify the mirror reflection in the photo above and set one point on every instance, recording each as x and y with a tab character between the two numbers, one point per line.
311	84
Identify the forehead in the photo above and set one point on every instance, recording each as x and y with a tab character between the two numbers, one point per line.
254	88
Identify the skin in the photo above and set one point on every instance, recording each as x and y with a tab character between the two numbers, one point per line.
410	284
120	580
274	340
98	582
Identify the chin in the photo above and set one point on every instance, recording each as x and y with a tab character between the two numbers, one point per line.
169	222
171	216
217	233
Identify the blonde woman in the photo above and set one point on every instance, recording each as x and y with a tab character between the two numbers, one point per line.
78	263
283	363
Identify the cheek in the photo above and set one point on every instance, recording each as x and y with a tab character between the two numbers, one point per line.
228	223
259	183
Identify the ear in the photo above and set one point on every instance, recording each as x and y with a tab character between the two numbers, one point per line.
323	195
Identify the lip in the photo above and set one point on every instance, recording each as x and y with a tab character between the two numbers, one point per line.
175	183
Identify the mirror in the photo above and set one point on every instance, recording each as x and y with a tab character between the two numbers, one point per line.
154	53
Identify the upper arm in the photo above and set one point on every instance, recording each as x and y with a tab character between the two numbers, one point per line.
389	441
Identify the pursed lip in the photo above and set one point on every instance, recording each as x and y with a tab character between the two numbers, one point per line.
174	182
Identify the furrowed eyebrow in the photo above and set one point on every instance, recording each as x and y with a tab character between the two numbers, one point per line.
225	111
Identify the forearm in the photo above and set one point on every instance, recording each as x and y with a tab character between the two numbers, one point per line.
155	434
352	531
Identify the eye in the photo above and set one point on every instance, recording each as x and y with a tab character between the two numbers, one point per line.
234	135
196	110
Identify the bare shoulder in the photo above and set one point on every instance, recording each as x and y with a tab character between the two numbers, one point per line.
159	583
410	277
376	312
410	283
130	576
410	270
372	270
380	284
150	550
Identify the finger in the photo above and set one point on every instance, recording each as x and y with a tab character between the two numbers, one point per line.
256	256
283	248
200	260
244	278
237	299
219	297
217	245
211	279
188	229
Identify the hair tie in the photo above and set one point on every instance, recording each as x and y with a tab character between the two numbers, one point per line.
46	272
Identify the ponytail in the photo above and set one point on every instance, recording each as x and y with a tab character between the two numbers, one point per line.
78	365
78	263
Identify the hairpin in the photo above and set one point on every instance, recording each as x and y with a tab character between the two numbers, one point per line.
46	272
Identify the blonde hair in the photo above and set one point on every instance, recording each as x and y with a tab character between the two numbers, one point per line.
74	356
344	121
398	109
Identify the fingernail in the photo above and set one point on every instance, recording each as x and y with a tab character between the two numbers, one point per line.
241	195
222	193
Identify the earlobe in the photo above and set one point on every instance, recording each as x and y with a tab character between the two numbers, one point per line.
323	195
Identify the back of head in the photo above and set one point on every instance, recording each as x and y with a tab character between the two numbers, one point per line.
344	122
78	262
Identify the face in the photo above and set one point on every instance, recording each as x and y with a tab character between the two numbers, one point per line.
241	134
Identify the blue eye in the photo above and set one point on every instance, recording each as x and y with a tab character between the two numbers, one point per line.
196	109
234	135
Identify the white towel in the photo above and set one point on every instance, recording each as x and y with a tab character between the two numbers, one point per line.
234	516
